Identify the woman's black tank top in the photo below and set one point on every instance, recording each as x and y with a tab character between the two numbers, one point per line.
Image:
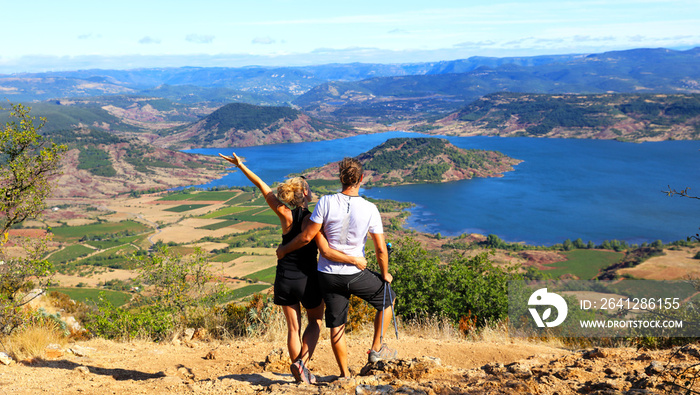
302	261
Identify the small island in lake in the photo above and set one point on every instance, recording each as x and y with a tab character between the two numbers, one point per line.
400	161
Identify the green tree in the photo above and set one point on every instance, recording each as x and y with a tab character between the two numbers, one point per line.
568	245
27	163
493	241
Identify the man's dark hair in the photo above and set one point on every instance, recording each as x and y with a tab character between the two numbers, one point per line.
350	172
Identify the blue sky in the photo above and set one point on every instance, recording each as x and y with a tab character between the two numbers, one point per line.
75	34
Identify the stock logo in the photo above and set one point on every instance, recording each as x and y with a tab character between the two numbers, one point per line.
543	298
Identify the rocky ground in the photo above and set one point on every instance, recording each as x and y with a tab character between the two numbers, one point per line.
425	366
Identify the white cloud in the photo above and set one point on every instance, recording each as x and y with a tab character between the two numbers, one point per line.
199	38
149	40
264	40
88	36
475	44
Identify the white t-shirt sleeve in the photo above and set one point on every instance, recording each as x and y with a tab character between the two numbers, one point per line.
320	210
375	225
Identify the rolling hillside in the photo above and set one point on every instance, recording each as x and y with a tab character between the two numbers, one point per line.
243	125
101	165
629	117
421	160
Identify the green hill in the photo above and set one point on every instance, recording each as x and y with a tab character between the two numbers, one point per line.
422	160
634	117
242	125
248	117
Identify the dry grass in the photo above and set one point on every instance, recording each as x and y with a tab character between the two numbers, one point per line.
430	327
31	341
276	325
673	265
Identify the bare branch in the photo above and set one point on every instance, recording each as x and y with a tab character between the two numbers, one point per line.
681	193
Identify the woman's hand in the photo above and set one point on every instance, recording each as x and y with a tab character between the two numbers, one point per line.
360	262
280	252
233	159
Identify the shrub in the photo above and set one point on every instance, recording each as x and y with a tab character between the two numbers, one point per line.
252	319
178	283
106	320
235	319
461	287
31	338
359	314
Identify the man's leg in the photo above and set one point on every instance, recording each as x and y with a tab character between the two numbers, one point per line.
371	288
377	340
340	349
337	298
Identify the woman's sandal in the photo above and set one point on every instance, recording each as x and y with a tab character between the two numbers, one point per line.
301	373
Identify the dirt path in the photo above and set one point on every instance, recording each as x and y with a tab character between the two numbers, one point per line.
238	366
425	366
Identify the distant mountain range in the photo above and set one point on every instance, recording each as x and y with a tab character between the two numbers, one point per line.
218	107
463	79
212	83
392	99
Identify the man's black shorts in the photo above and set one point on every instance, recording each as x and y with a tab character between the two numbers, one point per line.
294	287
336	290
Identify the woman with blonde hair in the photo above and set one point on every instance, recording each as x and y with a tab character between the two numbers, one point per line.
296	279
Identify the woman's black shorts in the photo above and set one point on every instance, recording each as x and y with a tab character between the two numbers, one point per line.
292	287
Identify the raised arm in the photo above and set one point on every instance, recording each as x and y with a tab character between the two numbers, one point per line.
382	255
270	197
262	186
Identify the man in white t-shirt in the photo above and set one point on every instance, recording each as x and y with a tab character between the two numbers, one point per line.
346	219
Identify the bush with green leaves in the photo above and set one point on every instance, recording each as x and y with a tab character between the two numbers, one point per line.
177	282
124	323
462	286
177	290
28	161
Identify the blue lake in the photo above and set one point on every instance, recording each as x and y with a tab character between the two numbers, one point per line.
565	188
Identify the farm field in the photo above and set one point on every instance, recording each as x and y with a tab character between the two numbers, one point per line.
92	294
584	264
673	265
99	251
240	234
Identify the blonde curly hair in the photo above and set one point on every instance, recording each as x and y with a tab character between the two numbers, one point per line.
291	192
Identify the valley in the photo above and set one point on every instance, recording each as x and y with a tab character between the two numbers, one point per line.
531	167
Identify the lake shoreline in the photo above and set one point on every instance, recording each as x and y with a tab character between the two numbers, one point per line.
565	188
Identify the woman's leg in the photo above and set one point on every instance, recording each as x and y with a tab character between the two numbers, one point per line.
292	315
311	333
